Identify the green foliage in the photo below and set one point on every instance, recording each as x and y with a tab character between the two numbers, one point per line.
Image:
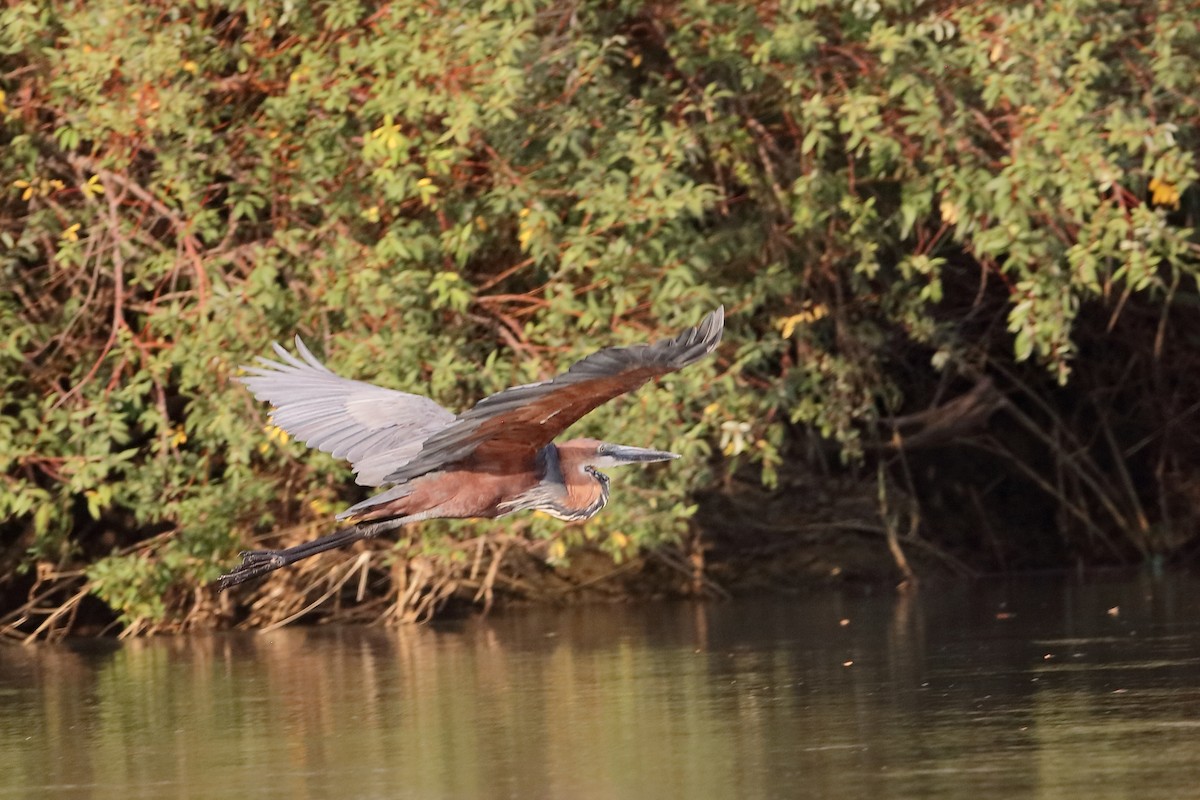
421	189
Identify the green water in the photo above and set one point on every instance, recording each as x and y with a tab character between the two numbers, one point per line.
1030	688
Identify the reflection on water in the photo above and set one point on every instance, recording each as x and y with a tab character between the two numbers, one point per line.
1008	689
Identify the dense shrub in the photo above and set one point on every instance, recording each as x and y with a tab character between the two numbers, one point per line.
449	198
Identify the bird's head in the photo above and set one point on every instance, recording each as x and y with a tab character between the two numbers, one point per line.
597	454
574	466
618	455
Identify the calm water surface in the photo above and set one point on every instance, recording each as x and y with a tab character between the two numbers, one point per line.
1025	688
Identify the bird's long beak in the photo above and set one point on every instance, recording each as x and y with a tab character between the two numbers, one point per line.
616	455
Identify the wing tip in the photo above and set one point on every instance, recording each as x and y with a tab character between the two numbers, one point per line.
712	327
697	342
303	359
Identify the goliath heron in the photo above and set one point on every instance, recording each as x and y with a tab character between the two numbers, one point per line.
494	459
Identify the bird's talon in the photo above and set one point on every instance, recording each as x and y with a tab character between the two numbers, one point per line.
252	557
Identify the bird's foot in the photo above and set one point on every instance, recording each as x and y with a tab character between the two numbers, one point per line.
254	563
250	557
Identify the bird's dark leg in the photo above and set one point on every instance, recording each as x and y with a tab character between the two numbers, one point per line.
260	562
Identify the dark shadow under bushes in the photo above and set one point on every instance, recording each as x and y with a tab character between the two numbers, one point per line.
1008	470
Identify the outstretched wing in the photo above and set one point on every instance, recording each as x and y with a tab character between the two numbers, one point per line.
375	429
509	427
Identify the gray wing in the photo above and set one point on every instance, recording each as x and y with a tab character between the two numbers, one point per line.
377	430
506	430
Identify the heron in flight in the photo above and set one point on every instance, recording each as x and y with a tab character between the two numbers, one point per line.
497	458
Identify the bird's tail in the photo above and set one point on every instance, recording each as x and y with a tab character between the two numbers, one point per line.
377	506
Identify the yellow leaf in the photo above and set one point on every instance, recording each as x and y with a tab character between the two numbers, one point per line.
949	211
275	434
191	67
1163	193
787	325
71	234
809	313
